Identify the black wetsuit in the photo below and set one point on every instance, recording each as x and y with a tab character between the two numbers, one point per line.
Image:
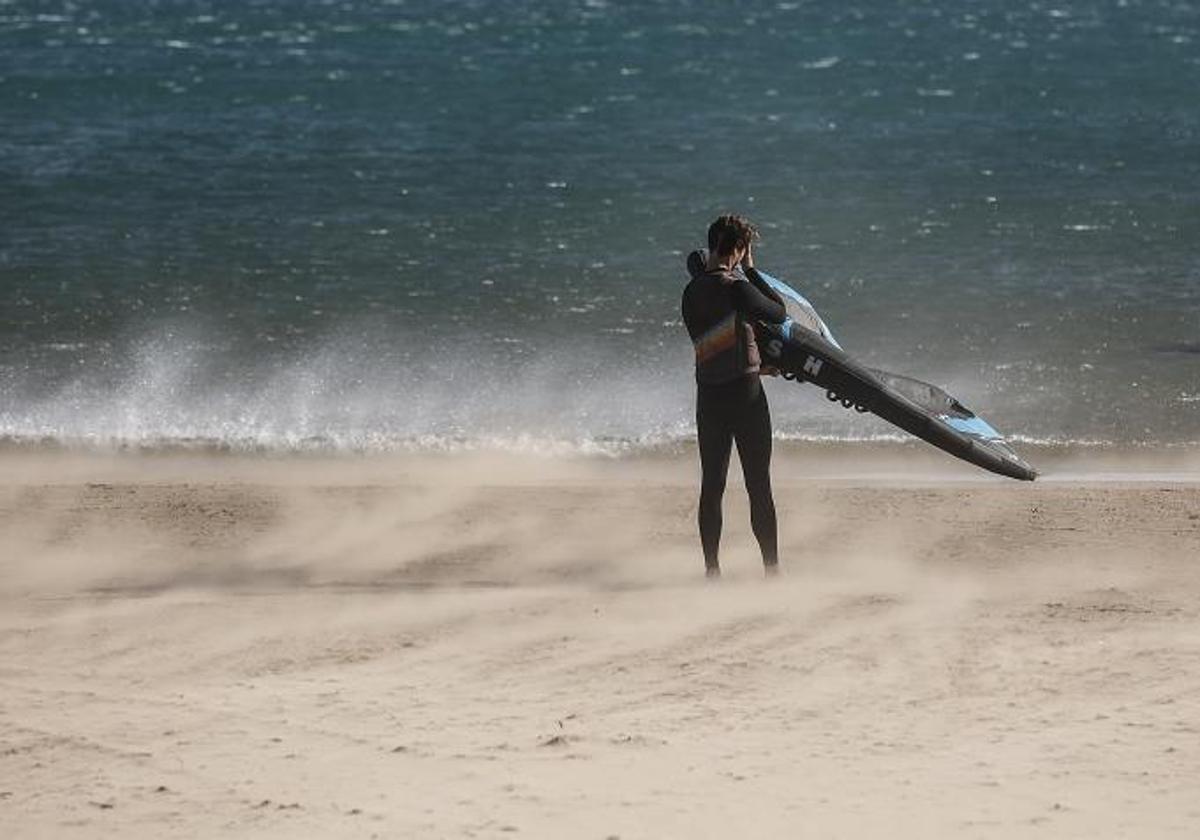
719	308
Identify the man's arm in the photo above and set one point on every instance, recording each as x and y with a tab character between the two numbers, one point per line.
757	306
762	285
754	277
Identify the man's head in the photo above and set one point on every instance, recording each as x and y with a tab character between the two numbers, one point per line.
729	234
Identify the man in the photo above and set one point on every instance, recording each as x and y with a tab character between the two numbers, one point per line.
720	306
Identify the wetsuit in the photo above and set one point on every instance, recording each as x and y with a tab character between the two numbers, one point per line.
719	309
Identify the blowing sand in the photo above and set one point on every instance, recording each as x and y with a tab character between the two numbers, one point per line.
481	647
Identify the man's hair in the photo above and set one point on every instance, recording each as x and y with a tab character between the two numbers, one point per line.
730	232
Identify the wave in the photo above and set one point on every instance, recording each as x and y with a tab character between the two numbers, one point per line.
372	390
357	391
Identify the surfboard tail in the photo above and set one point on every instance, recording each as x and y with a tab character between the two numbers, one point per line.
917	407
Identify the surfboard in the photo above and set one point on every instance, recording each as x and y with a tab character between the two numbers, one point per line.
804	350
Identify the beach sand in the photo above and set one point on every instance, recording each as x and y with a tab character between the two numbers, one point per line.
486	646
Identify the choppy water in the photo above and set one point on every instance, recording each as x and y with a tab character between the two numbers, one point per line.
429	223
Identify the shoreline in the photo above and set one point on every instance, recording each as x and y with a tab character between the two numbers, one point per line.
850	458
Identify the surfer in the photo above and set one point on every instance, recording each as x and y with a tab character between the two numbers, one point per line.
720	306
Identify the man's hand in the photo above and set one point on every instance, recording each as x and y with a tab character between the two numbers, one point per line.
748	259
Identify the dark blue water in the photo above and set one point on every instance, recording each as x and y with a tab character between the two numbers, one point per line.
443	224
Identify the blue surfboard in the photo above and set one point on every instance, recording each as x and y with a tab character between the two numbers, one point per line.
804	349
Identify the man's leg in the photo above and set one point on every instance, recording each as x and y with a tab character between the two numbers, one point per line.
716	442
754	451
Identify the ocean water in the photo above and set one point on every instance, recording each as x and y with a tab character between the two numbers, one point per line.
351	224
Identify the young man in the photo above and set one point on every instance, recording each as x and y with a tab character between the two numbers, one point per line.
720	306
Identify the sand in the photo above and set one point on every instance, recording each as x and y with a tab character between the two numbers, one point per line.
477	646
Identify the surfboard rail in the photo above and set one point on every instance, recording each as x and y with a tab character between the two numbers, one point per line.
805	356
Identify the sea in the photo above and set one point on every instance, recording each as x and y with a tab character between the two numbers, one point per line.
392	225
